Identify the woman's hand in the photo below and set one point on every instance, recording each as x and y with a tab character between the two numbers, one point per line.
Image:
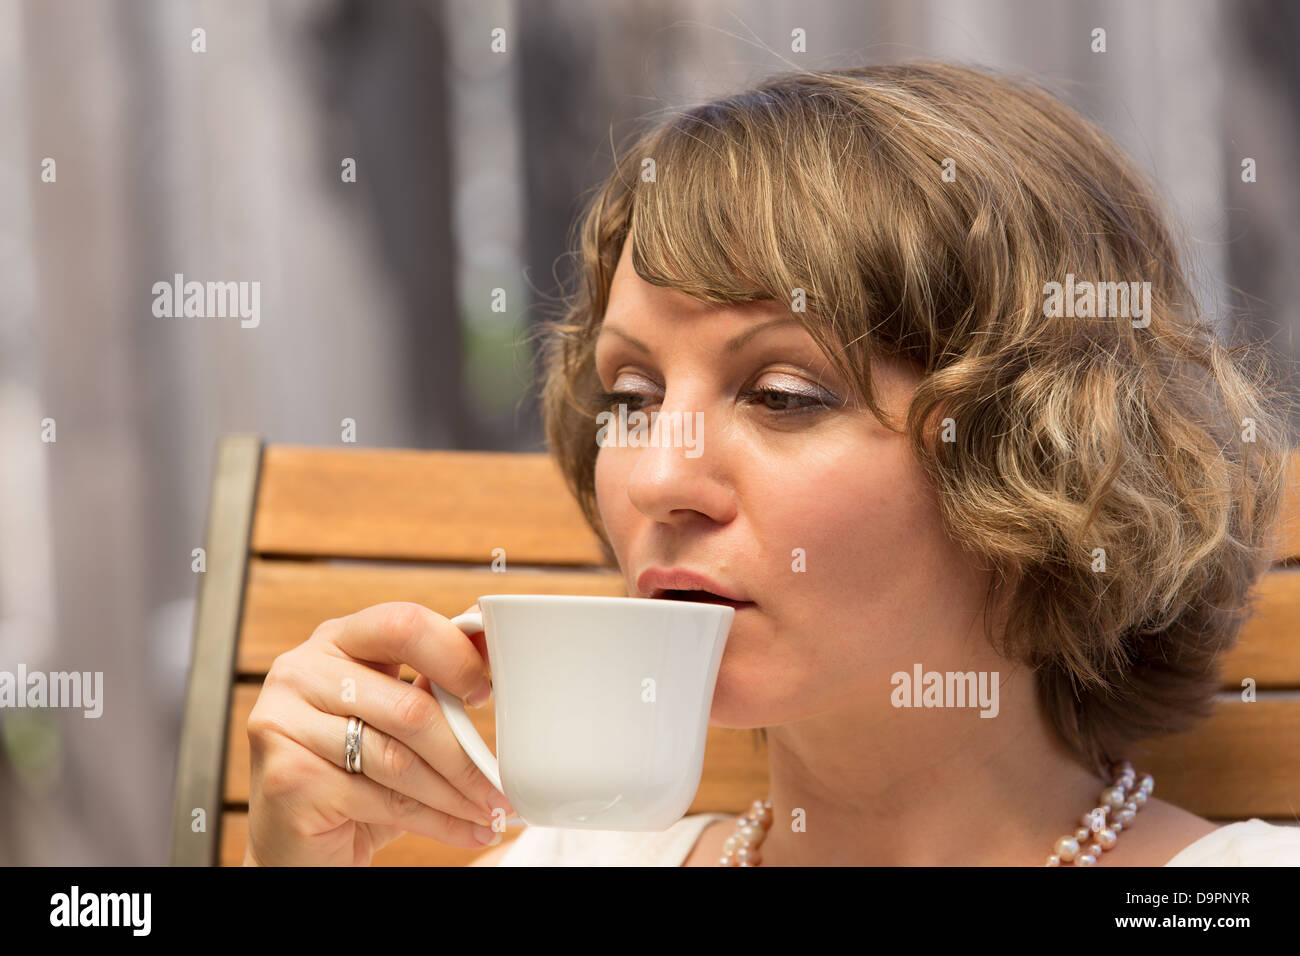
304	807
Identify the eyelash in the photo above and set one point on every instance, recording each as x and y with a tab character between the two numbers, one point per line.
609	399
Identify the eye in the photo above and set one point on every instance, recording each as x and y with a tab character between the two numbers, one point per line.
611	400
767	394
779	402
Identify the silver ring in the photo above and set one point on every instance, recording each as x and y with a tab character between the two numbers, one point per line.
352	745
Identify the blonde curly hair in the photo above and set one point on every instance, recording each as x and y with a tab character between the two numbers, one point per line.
923	209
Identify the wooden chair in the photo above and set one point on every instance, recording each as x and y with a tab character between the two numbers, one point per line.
297	535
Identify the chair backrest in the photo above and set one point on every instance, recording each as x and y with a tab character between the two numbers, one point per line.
1244	761
297	535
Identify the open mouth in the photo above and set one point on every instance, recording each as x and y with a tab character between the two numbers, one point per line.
703	597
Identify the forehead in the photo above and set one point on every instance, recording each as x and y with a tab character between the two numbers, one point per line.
634	302
630	295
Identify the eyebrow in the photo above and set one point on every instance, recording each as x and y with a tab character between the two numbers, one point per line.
735	345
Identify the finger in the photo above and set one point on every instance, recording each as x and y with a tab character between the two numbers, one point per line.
384	759
401	632
359	798
409	714
479	640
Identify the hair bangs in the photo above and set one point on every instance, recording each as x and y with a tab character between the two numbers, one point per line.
716	210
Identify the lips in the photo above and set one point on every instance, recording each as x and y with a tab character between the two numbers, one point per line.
680	584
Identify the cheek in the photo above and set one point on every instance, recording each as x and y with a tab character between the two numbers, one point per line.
611	497
866	523
868	526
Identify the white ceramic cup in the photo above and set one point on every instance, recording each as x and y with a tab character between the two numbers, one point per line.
602	705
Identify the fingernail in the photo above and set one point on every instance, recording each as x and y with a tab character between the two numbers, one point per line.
486	836
500	801
481	695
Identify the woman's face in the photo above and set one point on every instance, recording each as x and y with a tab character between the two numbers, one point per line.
818	515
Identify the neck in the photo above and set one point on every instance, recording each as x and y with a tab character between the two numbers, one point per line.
932	787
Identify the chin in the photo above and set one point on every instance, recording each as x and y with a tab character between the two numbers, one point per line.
733	709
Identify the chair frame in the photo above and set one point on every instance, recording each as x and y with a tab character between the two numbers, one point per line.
202	757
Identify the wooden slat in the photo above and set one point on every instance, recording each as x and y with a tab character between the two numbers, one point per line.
286	600
1288	530
407	850
1243	762
419	505
735	769
1269	647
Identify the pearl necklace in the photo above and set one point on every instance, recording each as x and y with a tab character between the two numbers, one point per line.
1119	802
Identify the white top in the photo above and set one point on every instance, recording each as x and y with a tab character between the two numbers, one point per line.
1251	843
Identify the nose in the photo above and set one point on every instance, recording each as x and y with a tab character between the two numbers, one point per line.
669	483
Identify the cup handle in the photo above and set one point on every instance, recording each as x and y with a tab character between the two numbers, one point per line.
461	725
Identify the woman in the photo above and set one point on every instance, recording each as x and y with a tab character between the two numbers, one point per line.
959	415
